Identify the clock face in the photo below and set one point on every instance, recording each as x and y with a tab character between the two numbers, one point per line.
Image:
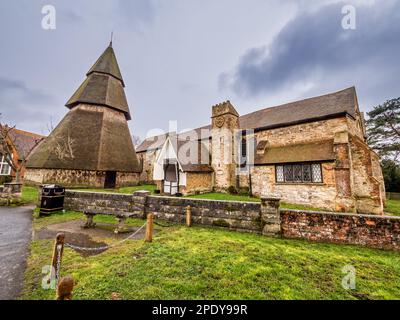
219	122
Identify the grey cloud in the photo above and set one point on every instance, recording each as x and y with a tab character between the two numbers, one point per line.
19	90
314	48
137	13
19	105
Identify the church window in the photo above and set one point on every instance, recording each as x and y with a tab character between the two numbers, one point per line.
299	173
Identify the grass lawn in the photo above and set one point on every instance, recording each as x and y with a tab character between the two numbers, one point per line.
393	207
29	195
238	197
204	263
127	190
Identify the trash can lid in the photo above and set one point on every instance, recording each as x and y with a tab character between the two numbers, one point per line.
52	186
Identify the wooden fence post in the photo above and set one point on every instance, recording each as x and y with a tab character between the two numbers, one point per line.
64	288
57	256
149	227
188	216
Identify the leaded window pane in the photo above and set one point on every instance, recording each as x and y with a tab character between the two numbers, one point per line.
279	174
297	175
288	171
316	172
307	173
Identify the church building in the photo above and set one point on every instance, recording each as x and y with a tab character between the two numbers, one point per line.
310	152
92	145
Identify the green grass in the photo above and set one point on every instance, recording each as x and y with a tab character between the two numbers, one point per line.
393	207
204	263
127	190
246	198
29	195
224	196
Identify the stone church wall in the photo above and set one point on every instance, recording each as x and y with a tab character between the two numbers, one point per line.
322	196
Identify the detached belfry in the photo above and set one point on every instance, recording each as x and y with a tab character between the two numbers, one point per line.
92	145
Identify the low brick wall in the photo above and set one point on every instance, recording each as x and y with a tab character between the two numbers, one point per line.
264	218
367	230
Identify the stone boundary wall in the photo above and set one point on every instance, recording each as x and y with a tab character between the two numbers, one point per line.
115	204
368	230
264	218
243	216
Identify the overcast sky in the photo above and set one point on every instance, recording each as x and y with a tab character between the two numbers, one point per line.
180	57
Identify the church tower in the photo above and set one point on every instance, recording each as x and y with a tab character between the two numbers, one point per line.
225	125
92	145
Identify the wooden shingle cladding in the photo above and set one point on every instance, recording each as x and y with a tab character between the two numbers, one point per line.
103	86
100	141
94	135
102	90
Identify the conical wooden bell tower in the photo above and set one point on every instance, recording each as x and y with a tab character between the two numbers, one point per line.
92	145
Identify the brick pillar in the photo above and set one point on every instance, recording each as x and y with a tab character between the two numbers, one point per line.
139	200
270	216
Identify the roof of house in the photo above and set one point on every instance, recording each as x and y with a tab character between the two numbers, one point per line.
103	86
308	110
193	156
24	141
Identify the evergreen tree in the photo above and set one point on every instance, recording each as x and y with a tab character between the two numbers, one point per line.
383	129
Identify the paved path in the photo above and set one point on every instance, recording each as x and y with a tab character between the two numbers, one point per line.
15	236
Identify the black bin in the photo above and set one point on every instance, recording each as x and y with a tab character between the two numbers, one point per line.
52	199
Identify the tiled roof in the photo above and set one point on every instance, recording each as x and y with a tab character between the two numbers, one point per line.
307	110
24	141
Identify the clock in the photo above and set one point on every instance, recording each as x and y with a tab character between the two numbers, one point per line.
219	122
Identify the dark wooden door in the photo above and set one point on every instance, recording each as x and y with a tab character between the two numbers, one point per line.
111	180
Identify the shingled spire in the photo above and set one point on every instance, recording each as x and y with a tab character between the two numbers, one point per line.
104	85
94	135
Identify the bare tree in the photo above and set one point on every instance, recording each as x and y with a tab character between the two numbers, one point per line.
6	142
136	140
65	148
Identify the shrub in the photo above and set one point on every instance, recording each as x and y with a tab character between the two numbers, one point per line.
157	191
232	190
5	179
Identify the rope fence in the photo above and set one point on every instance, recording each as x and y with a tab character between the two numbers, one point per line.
65	285
78	248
